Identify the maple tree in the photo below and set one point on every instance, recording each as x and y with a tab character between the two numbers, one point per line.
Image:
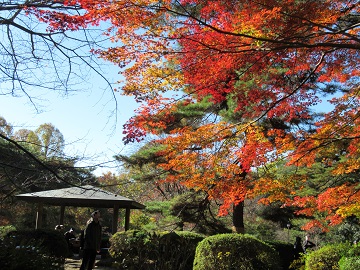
169	204
262	65
266	80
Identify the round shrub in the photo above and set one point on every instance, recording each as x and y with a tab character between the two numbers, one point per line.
160	250
176	250
326	258
347	263
351	260
354	251
285	251
234	252
4	230
129	248
33	250
49	242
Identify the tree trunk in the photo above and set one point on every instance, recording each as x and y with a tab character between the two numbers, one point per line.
238	218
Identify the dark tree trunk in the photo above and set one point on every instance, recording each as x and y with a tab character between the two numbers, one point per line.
238	218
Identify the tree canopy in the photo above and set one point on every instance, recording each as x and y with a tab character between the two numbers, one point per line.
29	163
261	66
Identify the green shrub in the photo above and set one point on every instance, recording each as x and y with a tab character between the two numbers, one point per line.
353	251
33	250
49	242
4	230
326	258
129	249
177	250
351	260
234	251
161	250
349	263
285	251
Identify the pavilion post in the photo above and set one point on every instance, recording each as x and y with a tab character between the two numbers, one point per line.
85	196
39	215
115	218
127	218
62	213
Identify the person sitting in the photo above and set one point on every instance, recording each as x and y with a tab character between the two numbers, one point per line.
59	228
69	236
308	244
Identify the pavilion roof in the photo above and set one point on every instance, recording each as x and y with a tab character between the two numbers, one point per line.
84	196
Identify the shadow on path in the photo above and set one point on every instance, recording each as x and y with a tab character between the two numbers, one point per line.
75	262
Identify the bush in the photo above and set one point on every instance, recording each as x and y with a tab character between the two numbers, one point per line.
349	263
33	250
49	242
285	252
4	230
177	250
143	250
326	258
129	249
234	251
351	260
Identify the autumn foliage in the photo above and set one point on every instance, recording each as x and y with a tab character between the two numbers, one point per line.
261	66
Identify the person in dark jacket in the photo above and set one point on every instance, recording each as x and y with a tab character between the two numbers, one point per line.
298	248
92	241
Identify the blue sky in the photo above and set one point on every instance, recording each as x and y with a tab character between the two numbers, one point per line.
86	119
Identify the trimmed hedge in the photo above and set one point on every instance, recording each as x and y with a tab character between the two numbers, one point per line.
48	242
351	260
235	252
285	252
33	250
4	230
161	250
129	248
326	258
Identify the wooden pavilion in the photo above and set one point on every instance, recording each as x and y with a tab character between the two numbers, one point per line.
84	196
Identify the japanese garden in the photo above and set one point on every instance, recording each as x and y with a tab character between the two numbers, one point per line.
245	139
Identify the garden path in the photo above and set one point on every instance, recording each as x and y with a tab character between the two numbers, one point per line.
75	262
